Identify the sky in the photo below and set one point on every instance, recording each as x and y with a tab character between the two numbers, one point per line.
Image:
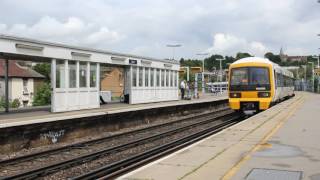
145	27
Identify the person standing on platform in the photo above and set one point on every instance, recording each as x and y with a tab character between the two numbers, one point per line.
182	88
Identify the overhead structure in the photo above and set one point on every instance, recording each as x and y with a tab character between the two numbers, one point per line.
75	73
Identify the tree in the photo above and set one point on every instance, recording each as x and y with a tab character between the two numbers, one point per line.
273	58
44	69
43	95
241	55
2	102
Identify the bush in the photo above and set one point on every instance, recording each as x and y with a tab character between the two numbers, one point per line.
43	95
2	103
15	103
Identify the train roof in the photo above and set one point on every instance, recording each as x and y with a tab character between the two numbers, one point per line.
276	67
253	59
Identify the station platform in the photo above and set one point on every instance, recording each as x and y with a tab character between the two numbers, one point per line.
280	143
42	116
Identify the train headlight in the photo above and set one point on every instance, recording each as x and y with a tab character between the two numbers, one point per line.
235	95
263	94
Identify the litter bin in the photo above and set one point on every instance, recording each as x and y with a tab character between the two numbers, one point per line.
126	98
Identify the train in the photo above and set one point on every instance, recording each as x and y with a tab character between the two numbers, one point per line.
255	84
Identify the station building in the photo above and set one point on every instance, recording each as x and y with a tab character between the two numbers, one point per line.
80	75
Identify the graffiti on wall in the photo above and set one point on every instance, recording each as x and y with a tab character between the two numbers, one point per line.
52	135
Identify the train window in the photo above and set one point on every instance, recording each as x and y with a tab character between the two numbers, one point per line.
239	76
249	78
259	76
279	80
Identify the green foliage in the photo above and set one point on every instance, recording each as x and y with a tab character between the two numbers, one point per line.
273	58
43	95
44	69
241	55
2	103
190	62
15	103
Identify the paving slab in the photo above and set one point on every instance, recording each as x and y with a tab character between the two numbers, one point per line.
222	155
294	147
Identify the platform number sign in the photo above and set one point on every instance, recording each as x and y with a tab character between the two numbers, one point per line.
133	61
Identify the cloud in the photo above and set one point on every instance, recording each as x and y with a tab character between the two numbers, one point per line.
145	27
228	44
104	34
73	30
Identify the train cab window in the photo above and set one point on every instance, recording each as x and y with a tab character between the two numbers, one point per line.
249	79
239	76
259	76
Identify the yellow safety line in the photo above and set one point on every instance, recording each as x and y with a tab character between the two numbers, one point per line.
231	172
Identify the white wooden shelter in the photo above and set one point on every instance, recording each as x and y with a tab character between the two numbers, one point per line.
75	72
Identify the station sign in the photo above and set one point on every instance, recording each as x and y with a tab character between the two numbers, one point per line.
133	61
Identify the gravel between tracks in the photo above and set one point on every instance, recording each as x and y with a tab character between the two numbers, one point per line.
8	170
108	159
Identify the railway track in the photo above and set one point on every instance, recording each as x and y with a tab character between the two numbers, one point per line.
118	168
161	131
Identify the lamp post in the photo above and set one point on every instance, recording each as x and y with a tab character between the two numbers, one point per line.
188	71
220	72
203	86
312	75
173	46
317	57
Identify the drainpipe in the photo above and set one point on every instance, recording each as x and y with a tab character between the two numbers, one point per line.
7	85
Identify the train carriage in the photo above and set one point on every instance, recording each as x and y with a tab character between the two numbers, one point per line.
257	83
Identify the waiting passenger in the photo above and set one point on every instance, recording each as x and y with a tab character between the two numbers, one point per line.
182	88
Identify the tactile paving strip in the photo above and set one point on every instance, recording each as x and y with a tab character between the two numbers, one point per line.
273	174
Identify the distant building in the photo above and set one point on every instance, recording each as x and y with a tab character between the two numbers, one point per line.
317	71
23	82
285	58
112	79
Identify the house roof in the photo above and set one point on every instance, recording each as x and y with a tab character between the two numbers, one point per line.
16	70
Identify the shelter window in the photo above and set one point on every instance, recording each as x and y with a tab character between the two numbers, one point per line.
93	74
140	76
146	77
172	78
167	78
134	76
175	79
158	77
72	74
152	77
162	77
60	74
83	74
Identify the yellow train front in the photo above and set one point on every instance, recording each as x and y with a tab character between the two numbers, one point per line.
256	83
